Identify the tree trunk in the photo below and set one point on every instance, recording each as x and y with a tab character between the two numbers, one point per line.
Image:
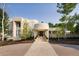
3	24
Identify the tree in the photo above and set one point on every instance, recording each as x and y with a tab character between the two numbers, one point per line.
5	20
65	9
75	20
26	31
69	25
61	25
77	28
50	25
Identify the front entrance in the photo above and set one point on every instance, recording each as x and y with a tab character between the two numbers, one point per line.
41	30
41	33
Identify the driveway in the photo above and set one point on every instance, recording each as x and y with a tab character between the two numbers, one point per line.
15	49
39	48
66	49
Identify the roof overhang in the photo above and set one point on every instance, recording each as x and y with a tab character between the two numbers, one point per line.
41	27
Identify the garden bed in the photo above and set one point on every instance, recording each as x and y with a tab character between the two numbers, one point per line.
65	40
15	42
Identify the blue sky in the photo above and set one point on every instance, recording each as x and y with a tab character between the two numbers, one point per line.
46	12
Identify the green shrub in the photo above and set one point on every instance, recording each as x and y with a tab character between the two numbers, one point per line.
26	32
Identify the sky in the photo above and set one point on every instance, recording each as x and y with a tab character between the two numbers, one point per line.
46	12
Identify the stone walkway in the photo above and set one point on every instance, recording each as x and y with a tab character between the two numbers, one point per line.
41	48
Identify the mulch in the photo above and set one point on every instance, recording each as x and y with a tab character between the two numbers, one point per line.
3	43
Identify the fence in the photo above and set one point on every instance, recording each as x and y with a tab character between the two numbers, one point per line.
69	38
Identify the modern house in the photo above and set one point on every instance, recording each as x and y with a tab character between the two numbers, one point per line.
16	26
38	28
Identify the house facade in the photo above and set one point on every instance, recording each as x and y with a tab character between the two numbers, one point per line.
37	28
16	26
